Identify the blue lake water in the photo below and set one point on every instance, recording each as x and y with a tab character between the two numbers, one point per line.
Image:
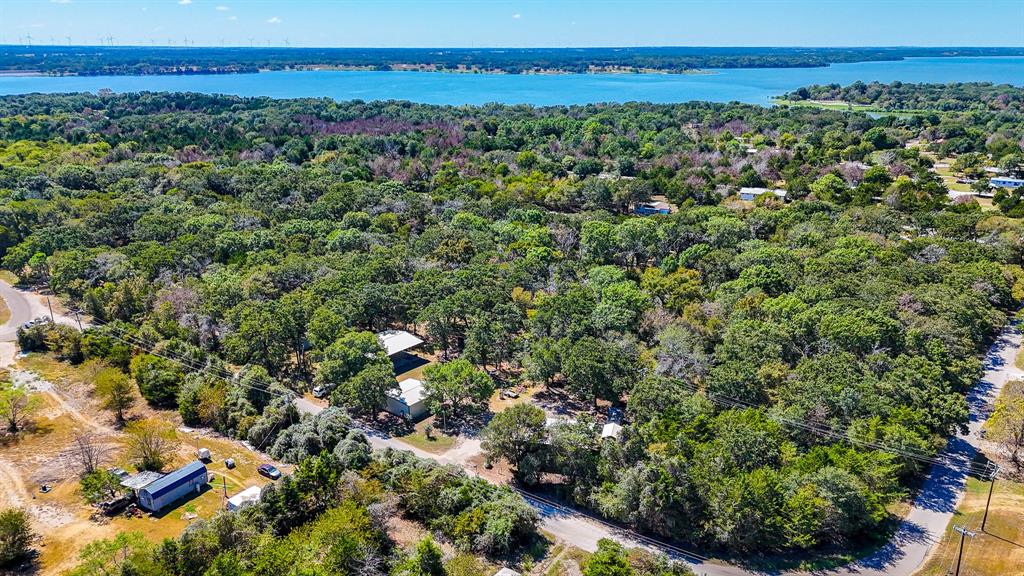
755	86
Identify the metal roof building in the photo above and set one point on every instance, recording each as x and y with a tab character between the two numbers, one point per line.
395	341
172	487
409	399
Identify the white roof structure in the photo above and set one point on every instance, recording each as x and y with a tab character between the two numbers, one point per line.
410	391
745	191
247	496
395	341
141	480
506	572
611	430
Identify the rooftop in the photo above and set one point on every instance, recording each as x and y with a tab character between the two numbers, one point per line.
395	341
169	481
250	494
410	391
140	480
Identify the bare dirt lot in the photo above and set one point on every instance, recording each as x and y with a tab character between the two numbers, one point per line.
42	455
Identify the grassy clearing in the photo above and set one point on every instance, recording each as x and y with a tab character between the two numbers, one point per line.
437	443
1019	361
846	107
9	277
999	550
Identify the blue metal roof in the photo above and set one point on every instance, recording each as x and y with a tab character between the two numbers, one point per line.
177	478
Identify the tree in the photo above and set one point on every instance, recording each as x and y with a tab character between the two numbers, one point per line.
595	368
1006	425
428	560
347	356
17	406
514	432
116	556
150	443
15	536
610	559
454	385
100	485
158	379
115	390
831	188
88	452
366	392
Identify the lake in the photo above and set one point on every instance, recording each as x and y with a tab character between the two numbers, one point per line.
756	86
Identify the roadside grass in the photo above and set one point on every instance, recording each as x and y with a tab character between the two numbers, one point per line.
5	312
999	550
438	443
9	277
1019	360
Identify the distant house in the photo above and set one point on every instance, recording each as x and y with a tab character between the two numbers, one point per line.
750	194
248	496
651	208
172	487
1006	182
408	400
994	170
395	341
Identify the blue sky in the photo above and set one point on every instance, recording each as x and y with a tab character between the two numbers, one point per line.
523	23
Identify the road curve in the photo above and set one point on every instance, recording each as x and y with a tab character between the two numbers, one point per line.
918	532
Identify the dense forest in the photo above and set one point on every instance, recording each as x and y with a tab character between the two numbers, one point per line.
119	60
900	96
786	369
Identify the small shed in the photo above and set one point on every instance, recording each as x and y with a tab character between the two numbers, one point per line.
611	430
408	400
395	341
248	496
172	487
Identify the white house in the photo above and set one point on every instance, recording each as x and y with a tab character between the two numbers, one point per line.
395	341
749	194
408	400
250	495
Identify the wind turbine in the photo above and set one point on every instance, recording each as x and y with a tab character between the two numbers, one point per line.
251	41
28	39
69	40
287	44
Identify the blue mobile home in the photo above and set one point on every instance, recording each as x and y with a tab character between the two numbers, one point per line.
1004	182
170	488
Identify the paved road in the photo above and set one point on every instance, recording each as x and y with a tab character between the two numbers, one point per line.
24	306
917	534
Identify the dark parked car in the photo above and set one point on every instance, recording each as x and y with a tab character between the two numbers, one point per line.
269	471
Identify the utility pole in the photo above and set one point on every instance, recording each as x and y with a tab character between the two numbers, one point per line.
51	309
78	317
991	487
960	555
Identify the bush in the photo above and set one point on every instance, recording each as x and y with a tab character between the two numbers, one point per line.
15	536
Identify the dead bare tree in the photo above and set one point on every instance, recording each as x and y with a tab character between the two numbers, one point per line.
87	452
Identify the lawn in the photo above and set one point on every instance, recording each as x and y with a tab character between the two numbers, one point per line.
438	443
999	550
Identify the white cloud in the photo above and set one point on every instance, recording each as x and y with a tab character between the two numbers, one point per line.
60	1
232	17
516	16
274	20
184	2
222	8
